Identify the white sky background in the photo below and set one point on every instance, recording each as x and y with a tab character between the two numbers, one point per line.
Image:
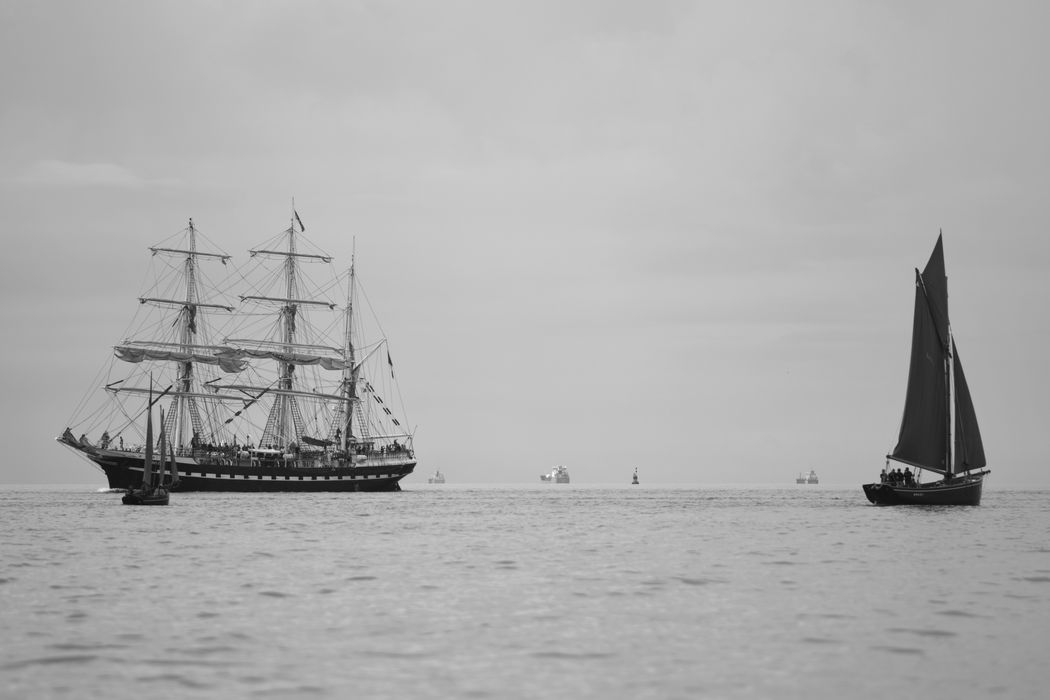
667	235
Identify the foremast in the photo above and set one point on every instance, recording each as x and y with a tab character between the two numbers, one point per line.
184	423
184	408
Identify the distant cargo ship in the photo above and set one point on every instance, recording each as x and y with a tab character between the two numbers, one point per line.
558	475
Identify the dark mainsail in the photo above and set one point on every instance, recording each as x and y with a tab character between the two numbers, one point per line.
924	427
969	450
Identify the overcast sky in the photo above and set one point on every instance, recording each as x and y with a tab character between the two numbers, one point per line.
675	236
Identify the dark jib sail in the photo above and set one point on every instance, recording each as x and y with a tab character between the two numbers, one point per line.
969	450
924	427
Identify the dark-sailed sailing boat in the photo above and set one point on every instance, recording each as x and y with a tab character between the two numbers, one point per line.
926	435
152	491
276	383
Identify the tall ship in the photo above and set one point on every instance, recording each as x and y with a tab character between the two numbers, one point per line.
939	431
273	379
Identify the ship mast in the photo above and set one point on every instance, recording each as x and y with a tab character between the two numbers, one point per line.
184	414
187	321
948	412
946	348
282	425
350	371
285	423
949	405
288	313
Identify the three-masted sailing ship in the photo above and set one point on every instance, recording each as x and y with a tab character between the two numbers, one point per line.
936	418
275	384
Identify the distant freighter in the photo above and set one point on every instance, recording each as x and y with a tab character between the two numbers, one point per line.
559	475
811	479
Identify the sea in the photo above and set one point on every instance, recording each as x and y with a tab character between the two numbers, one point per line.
524	591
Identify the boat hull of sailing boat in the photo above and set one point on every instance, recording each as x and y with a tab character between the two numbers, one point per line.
961	491
146	497
124	471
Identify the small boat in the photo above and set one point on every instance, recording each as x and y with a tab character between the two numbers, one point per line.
153	491
634	479
146	497
558	475
811	478
926	435
438	478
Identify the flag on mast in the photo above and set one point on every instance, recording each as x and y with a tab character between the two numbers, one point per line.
301	227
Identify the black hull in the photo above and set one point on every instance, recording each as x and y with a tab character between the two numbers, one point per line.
137	497
963	491
124	471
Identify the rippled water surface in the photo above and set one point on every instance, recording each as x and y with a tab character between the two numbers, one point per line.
523	592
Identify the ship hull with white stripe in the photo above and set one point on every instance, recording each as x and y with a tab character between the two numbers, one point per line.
124	471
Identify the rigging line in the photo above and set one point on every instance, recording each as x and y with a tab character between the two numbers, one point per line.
334	283
89	393
91	421
372	311
202	236
148	271
401	401
205	282
128	422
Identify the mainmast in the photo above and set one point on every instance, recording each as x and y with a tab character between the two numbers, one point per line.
946	353
350	371
283	424
187	408
288	321
949	413
946	343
